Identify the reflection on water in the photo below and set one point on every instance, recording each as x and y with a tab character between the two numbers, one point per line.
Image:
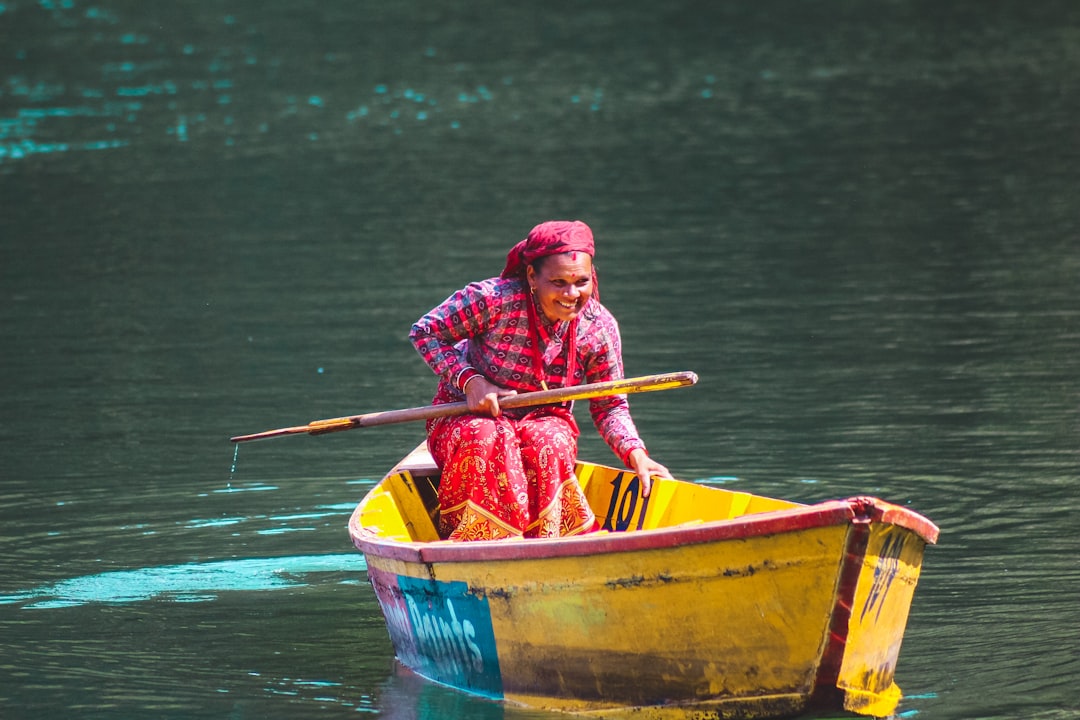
237	79
194	582
406	696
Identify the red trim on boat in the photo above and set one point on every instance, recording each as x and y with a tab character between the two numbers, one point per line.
907	519
861	510
826	694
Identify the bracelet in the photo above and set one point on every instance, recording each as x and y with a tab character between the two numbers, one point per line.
456	380
626	457
463	377
468	380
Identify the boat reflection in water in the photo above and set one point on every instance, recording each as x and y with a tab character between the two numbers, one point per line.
407	696
695	601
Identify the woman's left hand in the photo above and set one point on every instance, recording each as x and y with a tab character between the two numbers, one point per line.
646	468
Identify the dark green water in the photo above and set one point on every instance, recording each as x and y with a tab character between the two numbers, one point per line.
856	221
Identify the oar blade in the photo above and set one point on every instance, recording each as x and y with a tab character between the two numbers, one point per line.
280	432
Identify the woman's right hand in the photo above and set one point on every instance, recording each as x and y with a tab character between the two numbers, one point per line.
483	396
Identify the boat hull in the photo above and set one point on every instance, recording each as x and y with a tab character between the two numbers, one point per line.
760	615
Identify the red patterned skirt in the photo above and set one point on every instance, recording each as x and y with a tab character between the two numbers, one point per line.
509	477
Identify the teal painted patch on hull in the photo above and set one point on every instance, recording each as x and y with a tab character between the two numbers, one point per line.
441	630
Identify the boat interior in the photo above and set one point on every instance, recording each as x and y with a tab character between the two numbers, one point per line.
405	506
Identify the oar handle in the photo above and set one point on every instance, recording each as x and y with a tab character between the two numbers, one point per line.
647	383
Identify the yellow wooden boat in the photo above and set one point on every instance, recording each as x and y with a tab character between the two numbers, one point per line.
696	602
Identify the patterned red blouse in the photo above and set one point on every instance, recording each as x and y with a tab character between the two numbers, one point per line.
486	326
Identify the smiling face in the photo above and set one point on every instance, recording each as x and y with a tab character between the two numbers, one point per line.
562	284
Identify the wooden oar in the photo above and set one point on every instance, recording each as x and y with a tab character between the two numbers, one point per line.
647	383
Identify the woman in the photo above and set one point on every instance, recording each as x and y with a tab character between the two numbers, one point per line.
539	324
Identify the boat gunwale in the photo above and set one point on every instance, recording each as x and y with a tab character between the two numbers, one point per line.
854	510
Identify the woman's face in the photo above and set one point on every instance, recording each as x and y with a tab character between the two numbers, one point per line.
562	284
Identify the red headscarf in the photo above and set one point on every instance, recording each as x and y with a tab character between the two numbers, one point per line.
551	238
